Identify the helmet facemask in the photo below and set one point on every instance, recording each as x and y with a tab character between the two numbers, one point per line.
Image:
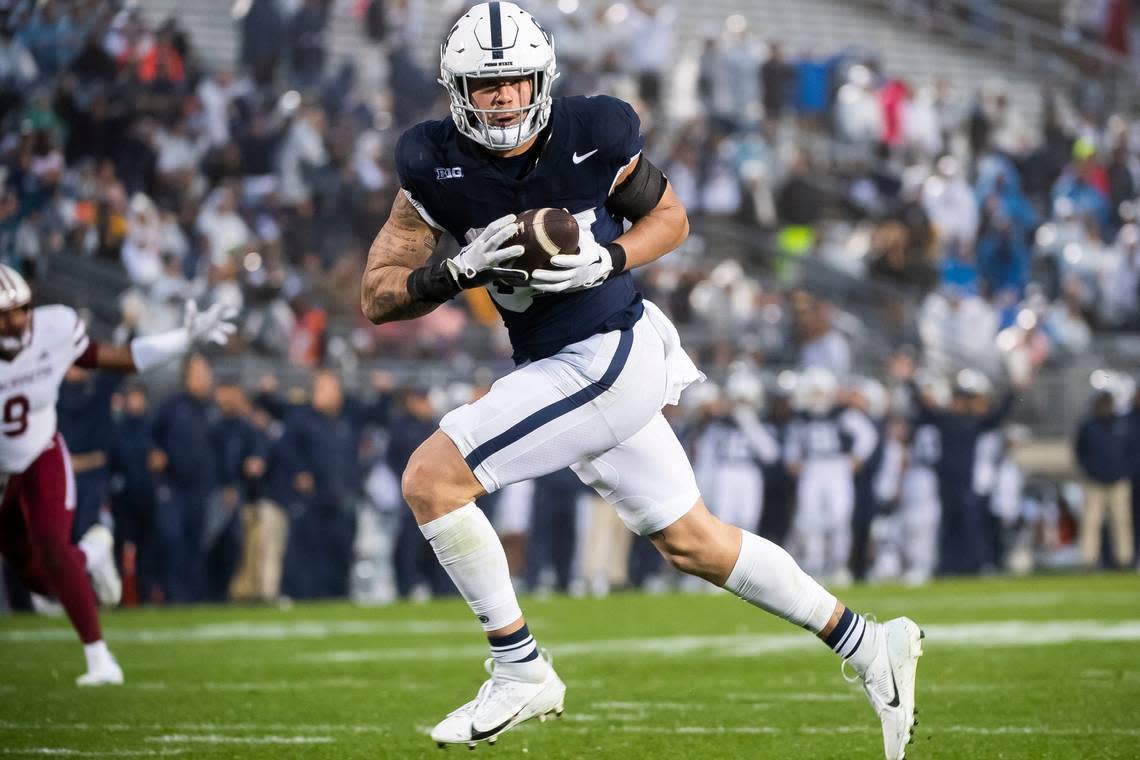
475	123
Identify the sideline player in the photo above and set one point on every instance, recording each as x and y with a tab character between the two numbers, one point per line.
596	364
37	346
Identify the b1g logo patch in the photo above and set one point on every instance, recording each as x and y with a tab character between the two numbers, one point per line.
449	172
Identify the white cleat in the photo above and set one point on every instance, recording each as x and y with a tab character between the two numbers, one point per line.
501	704
107	673
889	683
99	546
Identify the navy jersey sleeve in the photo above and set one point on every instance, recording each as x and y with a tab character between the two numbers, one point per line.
415	162
616	129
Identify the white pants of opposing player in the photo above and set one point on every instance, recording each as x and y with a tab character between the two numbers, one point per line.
734	493
594	407
825	499
920	512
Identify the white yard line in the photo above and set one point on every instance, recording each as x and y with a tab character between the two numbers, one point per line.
69	752
220	739
317	728
869	728
1012	633
223	686
248	631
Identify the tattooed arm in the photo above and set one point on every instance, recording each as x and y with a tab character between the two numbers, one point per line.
405	243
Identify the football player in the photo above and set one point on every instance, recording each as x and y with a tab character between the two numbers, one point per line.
827	444
731	450
596	363
37	346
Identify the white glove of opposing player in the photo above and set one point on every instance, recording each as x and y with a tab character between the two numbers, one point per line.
590	266
213	325
478	262
210	326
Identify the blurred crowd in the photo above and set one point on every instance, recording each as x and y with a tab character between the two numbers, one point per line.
261	182
221	492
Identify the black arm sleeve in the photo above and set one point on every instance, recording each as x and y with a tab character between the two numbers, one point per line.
639	193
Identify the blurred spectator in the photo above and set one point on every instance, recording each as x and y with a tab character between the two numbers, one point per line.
778	80
221	226
262	34
858	115
553	535
133	500
1084	184
651	33
142	246
821	345
307	45
417	571
185	462
325	440
963	542
1102	445
18	68
1003	258
240	452
264	522
1119	280
951	208
958	329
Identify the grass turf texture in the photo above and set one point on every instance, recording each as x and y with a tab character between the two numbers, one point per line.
648	677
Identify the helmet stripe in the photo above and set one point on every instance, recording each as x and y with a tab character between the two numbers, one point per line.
496	32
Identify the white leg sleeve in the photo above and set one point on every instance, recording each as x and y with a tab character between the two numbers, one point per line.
765	575
473	556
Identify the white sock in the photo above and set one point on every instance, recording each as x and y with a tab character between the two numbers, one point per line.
471	553
765	575
96	653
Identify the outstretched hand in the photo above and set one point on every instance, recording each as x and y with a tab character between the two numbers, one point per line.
214	325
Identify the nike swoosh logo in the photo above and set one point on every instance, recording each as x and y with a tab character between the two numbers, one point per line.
579	159
894	702
477	735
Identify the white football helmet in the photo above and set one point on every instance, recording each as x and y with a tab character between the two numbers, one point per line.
497	40
936	388
870	396
743	386
817	390
14	293
971	382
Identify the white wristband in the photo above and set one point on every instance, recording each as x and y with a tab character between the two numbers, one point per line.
152	350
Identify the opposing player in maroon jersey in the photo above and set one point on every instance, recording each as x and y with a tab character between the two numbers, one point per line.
37	346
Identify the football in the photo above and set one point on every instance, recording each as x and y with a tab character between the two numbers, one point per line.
543	232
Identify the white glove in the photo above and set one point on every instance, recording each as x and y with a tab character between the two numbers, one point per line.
590	266
478	262
210	326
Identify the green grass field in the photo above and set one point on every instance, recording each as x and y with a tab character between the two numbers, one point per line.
1037	668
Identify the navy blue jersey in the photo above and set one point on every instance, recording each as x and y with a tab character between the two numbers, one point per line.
460	188
823	435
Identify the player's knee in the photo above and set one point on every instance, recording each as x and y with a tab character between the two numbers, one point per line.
683	552
427	488
418	482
